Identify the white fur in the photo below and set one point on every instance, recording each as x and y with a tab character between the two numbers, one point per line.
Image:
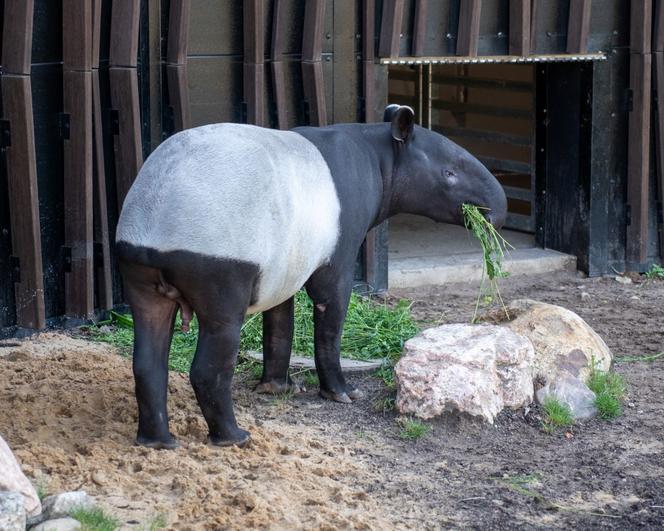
238	192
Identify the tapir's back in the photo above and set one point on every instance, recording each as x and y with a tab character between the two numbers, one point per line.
238	192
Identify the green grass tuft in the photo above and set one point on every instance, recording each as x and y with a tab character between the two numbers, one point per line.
493	251
95	520
632	359
556	415
610	389
412	429
372	330
656	272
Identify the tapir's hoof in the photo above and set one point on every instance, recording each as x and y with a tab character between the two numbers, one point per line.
344	398
277	388
169	443
355	394
241	440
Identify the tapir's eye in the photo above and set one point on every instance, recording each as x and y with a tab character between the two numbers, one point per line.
449	173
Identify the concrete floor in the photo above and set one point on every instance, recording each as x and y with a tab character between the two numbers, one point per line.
422	252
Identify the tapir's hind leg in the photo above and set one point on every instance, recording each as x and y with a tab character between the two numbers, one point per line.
330	291
277	344
153	329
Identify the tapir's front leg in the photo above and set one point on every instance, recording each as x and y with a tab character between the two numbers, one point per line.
277	344
330	291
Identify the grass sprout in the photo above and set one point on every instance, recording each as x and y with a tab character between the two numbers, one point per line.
609	389
95	519
493	251
412	429
556	415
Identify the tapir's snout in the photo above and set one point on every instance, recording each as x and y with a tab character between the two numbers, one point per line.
497	215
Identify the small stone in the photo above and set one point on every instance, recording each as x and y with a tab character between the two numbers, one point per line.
635	298
572	392
104	329
623	280
61	505
585	295
12	511
58	524
99	477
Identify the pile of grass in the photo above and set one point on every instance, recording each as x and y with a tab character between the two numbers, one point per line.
95	519
610	390
556	415
493	251
372	330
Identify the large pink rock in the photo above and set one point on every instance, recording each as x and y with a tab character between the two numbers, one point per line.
474	369
12	478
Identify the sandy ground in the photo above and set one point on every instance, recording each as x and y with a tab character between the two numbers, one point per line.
68	412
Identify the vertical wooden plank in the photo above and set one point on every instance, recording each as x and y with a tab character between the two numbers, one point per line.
520	13
533	24
96	33
254	70
658	30
368	58
420	27
178	94
102	266
277	49
659	140
390	28
578	26
23	198
79	283
125	18
641	26
128	153
312	68
17	36
76	34
638	158
178	31
469	27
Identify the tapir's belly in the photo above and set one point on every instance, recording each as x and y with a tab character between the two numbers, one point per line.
238	192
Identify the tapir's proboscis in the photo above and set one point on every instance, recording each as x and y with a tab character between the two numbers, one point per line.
228	219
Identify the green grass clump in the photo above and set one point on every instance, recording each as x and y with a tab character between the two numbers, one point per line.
656	272
632	359
610	389
412	429
493	251
95	519
372	330
556	415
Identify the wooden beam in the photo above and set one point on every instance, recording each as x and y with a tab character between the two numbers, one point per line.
77	35
368	59
390	28
658	29
23	199
641	26
254	69
578	26
128	152
125	19
420	27
178	95
638	158
278	48
17	36
520	18
79	282
102	266
533	25
659	141
469	28
96	32
178	32
312	67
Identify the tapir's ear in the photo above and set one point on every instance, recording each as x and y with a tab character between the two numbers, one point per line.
389	112
403	123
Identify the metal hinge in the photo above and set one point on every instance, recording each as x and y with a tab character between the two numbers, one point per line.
244	112
66	258
629	99
15	269
305	112
169	120
98	254
115	122
5	134
64	125
660	213
628	214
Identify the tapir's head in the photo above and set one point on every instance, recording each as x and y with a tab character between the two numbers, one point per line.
433	176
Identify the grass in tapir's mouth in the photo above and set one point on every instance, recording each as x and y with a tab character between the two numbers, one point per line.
493	251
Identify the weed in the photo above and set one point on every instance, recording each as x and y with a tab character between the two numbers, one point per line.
95	519
630	359
384	405
556	415
610	389
493	251
412	429
656	272
158	522
41	488
310	379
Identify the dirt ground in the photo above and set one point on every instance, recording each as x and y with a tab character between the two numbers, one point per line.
68	412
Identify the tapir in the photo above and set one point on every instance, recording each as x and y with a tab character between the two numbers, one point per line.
229	219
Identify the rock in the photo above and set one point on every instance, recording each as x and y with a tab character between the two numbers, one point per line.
12	511
564	343
474	369
623	280
12	478
58	524
61	505
585	295
569	390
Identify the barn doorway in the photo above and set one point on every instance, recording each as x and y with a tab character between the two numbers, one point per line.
489	109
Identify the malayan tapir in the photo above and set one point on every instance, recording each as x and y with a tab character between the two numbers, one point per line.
229	219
